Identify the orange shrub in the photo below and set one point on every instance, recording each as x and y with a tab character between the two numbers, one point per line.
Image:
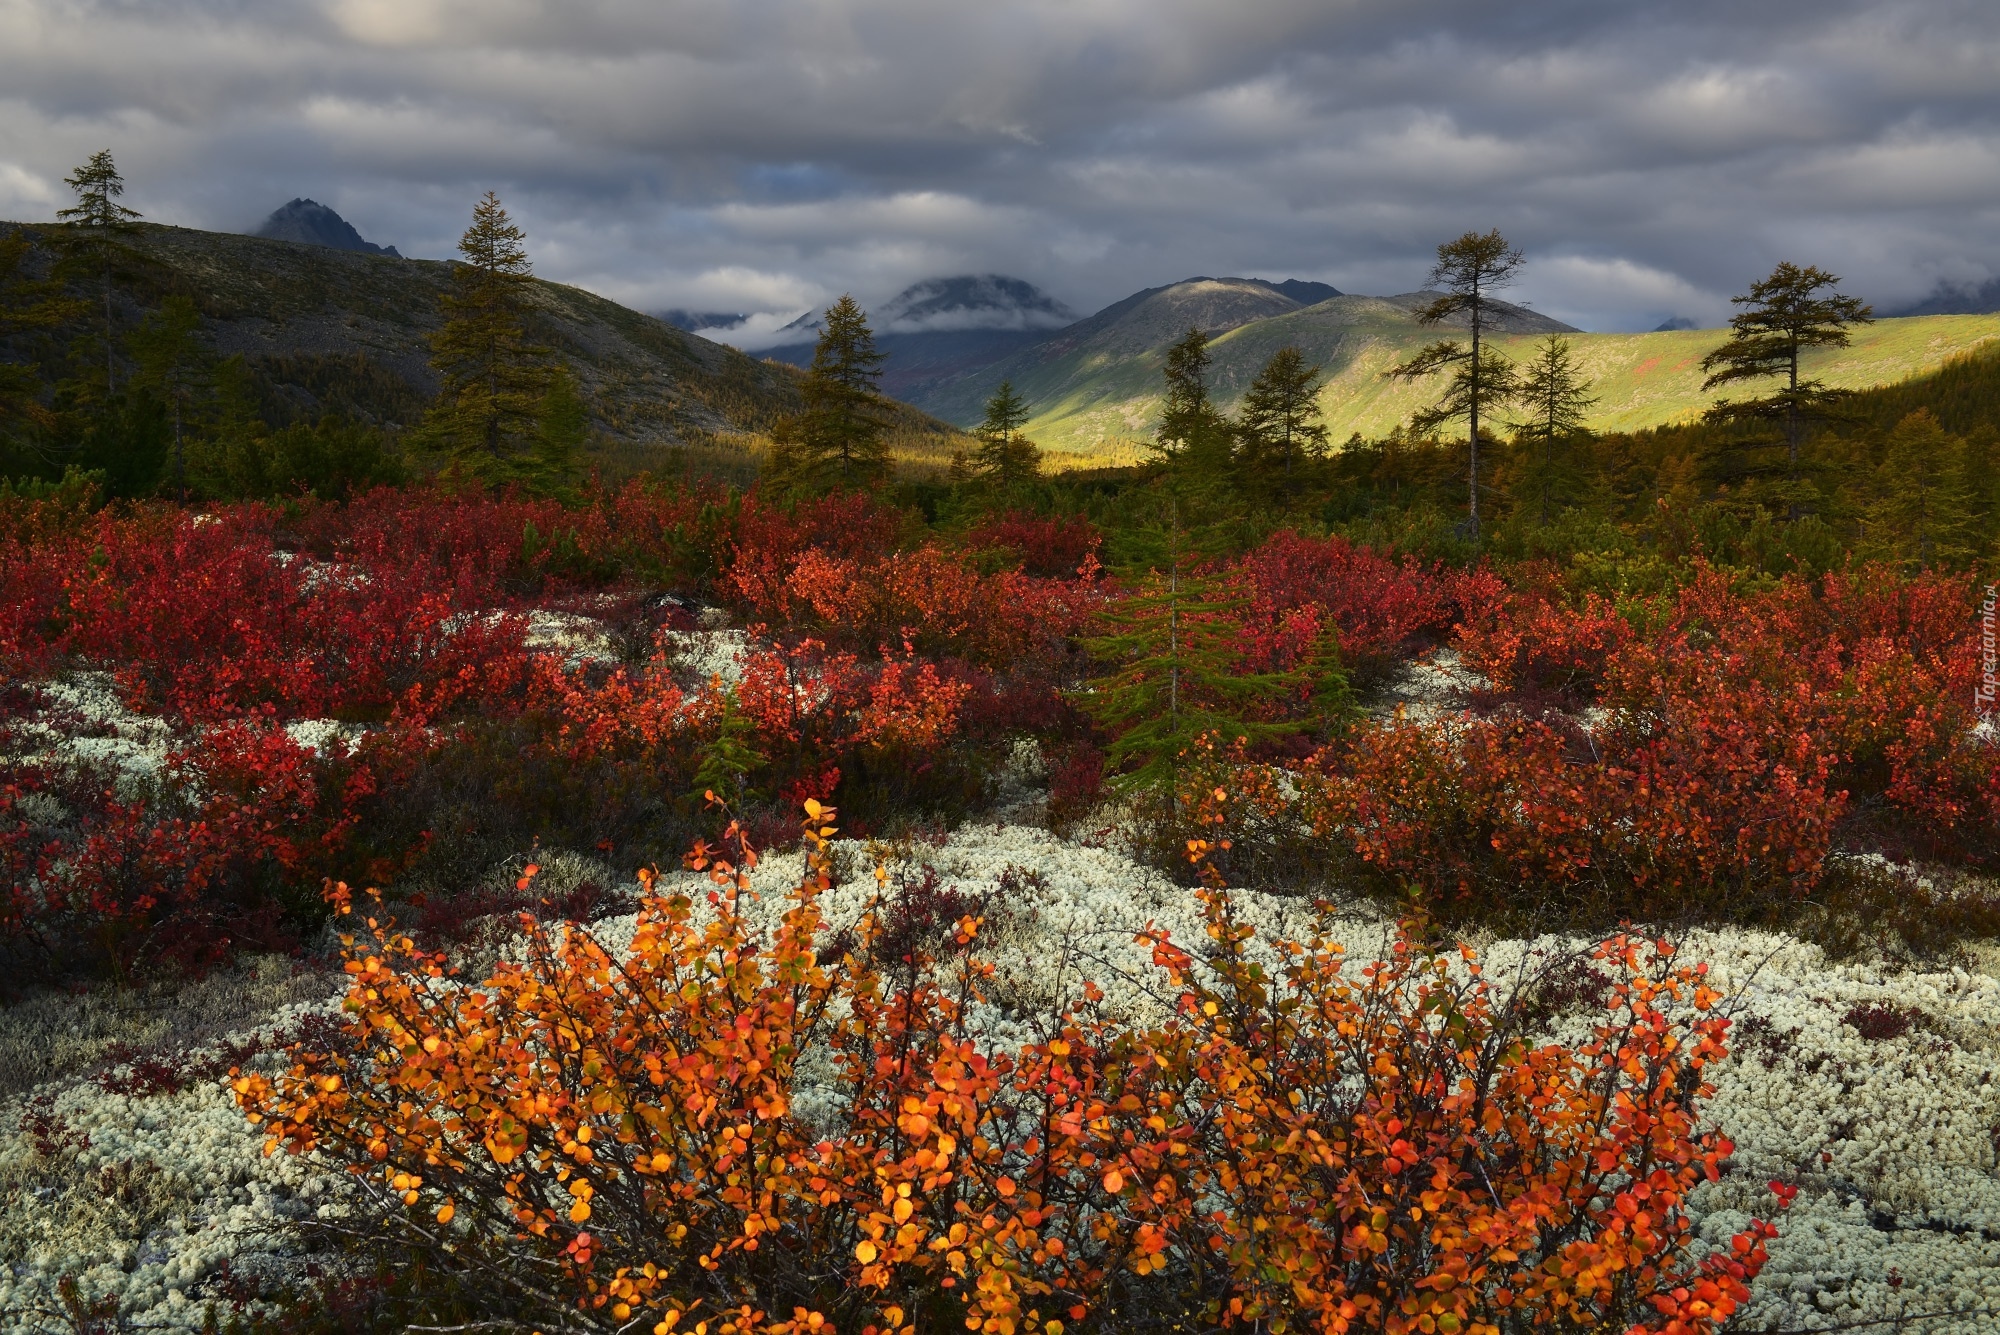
736	1130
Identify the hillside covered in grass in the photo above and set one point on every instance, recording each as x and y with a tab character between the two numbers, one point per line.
1095	390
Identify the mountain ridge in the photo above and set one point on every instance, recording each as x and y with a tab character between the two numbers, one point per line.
1094	389
1957	299
1114	356
324	328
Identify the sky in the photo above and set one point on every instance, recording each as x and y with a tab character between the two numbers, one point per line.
1650	157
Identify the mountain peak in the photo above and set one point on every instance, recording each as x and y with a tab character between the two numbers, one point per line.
959	304
314	224
1506	317
695	322
972	301
1302	290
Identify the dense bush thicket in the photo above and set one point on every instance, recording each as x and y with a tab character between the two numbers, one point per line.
406	688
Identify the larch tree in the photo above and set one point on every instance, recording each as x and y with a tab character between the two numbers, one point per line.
100	220
1920	512
839	437
1005	455
495	380
1467	274
1280	421
1783	317
1558	402
1192	431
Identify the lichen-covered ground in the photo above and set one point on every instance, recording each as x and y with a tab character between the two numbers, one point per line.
124	1164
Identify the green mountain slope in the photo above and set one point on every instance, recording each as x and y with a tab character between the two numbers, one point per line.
1094	388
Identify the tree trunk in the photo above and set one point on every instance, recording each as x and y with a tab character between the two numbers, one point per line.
1473	419
1792	441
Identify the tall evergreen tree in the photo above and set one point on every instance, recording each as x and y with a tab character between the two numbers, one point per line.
1558	402
1280	421
1782	317
1468	271
1192	431
1920	511
838	440
495	379
174	364
1005	455
101	220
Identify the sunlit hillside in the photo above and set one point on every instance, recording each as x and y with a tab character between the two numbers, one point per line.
1106	414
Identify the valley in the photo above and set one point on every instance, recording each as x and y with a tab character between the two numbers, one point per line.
1093	387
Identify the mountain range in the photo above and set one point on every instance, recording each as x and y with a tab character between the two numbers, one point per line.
940	330
326	320
1093	386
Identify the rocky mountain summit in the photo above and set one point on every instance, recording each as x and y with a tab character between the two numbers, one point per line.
314	224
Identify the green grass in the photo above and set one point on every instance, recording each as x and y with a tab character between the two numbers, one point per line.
1094	410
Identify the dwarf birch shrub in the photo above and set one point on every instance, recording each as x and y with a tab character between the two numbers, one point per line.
730	1130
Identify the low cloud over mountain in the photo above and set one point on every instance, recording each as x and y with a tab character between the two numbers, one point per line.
973	301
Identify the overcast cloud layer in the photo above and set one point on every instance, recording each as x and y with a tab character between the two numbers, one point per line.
1652	156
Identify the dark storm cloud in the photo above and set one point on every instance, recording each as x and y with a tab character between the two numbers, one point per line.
764	154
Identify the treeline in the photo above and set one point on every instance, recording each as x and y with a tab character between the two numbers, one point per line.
1784	474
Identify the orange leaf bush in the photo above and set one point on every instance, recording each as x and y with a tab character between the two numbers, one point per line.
736	1128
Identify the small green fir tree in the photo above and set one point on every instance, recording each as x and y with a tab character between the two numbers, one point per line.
1921	510
176	365
729	758
1280	422
1176	655
1005	456
1193	435
1558	402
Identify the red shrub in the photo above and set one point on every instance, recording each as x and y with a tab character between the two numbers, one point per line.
1526	645
1386	610
1053	546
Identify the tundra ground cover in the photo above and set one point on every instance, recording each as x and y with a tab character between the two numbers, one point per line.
1882	1127
211	714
